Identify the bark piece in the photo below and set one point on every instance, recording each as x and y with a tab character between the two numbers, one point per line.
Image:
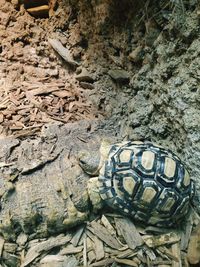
63	52
108	225
91	256
129	232
58	261
165	239
102	233
99	250
41	91
70	249
126	262
103	263
44	246
76	238
2	241
193	254
177	254
39	11
168	253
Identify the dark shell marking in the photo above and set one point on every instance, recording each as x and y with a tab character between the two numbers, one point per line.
146	182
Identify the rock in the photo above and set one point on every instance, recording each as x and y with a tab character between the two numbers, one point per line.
136	55
120	76
86	85
84	76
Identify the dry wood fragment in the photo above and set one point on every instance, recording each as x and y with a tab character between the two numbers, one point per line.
108	225
129	232
150	253
126	262
128	253
193	254
185	235
99	249
103	263
41	91
2	241
84	252
62	93
168	253
177	254
77	236
91	257
159	240
70	249
103	234
39	11
63	52
45	246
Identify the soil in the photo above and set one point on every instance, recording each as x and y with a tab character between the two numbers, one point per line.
154	96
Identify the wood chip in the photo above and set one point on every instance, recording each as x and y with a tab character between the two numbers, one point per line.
128	253
41	91
159	240
102	233
99	249
185	235
177	254
168	253
108	225
85	252
193	254
63	52
70	249
2	241
103	263
91	257
77	236
44	246
39	11
129	232
126	262
62	93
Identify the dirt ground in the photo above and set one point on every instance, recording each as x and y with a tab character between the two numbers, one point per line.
128	72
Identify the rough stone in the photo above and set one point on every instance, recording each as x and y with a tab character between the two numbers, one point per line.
120	76
85	76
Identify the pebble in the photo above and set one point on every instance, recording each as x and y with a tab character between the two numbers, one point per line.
84	76
120	76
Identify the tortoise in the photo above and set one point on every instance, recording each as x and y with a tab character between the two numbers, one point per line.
141	180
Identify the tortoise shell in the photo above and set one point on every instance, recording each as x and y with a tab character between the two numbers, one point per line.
146	182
